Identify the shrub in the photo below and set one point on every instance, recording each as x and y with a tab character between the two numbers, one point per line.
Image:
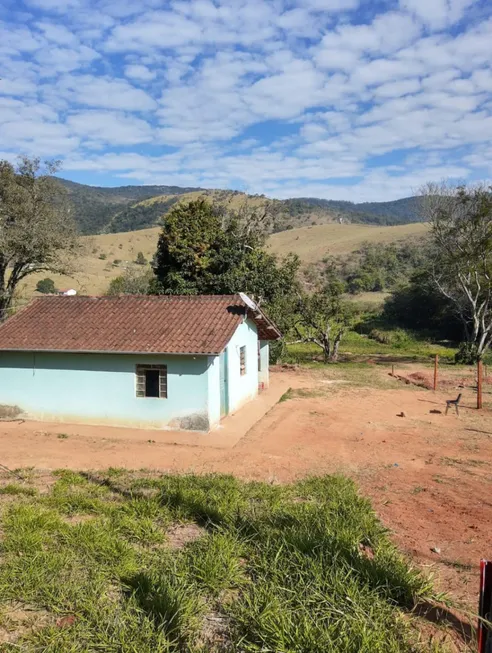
46	286
140	260
466	354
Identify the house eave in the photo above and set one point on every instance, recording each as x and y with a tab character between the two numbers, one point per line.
109	351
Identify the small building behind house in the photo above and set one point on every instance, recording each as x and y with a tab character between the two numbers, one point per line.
67	292
169	362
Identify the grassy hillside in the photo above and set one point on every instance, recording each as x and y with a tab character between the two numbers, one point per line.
127	208
149	211
96	269
314	243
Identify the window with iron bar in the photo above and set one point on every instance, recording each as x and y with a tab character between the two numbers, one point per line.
151	381
242	360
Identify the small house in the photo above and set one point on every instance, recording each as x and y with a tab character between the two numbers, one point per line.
176	362
67	292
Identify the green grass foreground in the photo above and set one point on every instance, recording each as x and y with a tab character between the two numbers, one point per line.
305	567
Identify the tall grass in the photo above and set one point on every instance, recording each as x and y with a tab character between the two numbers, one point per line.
305	567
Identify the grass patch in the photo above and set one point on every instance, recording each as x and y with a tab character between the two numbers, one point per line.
396	344
303	567
16	489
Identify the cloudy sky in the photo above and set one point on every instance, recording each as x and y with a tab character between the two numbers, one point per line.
344	99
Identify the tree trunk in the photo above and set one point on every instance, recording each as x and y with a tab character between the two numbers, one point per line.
326	351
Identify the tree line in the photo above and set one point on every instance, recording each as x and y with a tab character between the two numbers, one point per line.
443	284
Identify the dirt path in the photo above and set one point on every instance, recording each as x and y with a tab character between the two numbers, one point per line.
429	476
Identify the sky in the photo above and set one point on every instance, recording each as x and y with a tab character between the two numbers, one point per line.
361	100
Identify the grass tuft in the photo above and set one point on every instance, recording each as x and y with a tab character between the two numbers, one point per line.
16	489
305	567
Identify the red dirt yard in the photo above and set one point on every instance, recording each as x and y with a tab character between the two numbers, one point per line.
428	475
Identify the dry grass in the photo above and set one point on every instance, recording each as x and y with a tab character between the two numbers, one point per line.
94	274
229	199
314	243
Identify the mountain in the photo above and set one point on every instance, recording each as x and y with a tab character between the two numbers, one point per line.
95	206
128	208
404	211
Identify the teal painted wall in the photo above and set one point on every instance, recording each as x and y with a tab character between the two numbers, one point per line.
213	390
242	388
100	389
264	372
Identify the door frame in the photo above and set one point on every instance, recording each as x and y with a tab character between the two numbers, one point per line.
224	383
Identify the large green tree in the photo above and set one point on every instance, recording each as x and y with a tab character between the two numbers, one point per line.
37	232
204	250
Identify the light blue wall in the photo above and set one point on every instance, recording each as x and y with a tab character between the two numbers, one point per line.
242	388
264	372
100	389
213	390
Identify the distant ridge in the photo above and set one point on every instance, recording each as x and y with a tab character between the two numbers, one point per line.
99	209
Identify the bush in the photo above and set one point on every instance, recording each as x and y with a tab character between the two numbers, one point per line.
46	286
132	282
466	354
397	338
140	260
102	256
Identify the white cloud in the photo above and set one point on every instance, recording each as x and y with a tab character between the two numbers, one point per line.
140	72
63	60
438	13
58	34
37	137
111	127
107	93
386	34
55	6
398	88
16	87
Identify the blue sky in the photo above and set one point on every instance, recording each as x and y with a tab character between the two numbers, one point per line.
345	99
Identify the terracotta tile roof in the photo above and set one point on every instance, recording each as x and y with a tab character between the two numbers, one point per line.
200	324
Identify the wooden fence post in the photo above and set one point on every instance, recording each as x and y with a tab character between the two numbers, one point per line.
479	384
436	363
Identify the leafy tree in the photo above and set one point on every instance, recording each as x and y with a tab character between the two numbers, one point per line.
36	230
46	286
131	282
140	260
421	307
461	233
322	317
377	266
203	250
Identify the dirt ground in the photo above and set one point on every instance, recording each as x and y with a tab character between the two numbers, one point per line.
428	475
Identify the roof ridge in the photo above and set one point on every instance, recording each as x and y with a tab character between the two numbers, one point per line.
137	296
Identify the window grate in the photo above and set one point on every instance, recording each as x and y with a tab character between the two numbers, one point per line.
151	381
242	360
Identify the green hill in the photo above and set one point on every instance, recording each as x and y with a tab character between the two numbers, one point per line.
129	208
